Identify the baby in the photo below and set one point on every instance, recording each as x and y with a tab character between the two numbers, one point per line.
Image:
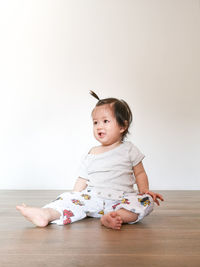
107	174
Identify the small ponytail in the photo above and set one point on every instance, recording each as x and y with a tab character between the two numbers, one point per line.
94	95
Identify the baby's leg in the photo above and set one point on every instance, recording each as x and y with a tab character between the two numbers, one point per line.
130	210
115	219
38	216
127	216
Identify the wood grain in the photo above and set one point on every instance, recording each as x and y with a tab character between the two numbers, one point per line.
170	236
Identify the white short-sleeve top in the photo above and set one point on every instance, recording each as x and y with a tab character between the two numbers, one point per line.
111	173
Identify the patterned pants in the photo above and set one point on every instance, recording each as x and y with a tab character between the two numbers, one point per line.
75	206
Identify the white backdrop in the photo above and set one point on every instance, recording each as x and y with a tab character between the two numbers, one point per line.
53	52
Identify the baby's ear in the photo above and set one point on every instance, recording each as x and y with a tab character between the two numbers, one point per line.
123	129
126	123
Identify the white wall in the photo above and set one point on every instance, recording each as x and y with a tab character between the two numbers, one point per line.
53	52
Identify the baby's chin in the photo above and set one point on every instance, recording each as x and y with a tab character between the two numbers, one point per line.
104	142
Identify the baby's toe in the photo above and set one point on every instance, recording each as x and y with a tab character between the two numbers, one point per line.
119	219
113	214
118	226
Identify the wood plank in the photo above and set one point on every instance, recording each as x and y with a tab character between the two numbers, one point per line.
170	236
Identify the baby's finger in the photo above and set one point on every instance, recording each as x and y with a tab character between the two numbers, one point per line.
154	198
157	202
160	197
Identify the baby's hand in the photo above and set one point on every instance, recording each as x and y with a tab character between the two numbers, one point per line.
155	197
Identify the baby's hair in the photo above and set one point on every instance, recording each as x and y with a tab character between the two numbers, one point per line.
121	111
95	95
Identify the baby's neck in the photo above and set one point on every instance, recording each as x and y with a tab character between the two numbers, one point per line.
105	148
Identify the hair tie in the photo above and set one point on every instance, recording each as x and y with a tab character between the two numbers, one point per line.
94	95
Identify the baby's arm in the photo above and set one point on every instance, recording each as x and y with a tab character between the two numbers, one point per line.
143	183
141	178
80	185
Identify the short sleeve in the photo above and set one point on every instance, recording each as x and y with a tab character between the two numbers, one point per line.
135	155
82	170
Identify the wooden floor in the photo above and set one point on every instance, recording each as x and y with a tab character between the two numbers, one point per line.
170	236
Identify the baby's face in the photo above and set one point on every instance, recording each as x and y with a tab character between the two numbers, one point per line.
105	127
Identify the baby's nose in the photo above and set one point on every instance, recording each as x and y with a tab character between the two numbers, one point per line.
100	125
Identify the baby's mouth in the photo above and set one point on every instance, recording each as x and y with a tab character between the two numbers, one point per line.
101	134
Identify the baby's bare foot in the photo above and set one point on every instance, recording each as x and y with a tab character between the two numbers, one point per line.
37	216
112	220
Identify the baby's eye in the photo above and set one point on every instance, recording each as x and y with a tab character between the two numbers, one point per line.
106	121
94	122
